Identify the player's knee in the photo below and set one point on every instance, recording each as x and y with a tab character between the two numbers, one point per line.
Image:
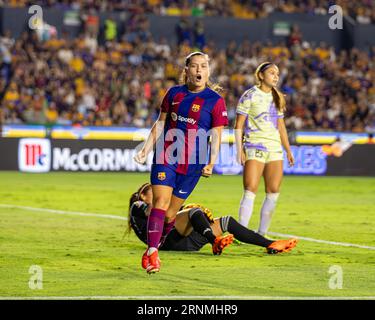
194	211
169	219
273	189
170	216
251	187
161	203
225	223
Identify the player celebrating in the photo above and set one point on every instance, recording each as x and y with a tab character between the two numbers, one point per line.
260	134
195	227
186	111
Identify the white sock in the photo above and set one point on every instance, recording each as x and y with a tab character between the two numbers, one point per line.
246	208
266	212
151	250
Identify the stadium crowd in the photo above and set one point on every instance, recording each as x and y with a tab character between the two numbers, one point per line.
82	82
362	11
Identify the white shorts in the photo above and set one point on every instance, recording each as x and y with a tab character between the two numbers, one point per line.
263	156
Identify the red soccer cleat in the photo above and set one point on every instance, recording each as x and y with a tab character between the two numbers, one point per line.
280	246
220	243
153	264
145	260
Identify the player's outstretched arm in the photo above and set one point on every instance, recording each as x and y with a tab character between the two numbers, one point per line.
214	151
154	135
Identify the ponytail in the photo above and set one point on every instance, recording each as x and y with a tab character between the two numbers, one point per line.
215	87
279	100
133	198
183	77
136	196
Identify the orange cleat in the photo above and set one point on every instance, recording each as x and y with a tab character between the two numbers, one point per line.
145	260
280	246
153	264
221	242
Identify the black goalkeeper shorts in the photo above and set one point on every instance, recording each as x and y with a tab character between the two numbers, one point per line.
175	242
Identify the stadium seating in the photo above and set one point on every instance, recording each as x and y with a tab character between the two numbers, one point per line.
363	11
84	81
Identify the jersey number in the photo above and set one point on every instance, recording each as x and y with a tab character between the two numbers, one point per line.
258	153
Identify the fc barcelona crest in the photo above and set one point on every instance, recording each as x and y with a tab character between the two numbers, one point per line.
161	176
195	107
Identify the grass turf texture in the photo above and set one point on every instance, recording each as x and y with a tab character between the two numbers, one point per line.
87	256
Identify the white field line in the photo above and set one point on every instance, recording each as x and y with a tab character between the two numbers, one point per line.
108	216
342	244
186	298
87	214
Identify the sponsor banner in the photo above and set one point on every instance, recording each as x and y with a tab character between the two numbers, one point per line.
45	155
71	155
338	159
34	155
9	154
309	160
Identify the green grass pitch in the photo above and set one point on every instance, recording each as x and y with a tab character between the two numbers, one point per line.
87	256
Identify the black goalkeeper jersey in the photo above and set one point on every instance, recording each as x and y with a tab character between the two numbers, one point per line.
138	220
174	241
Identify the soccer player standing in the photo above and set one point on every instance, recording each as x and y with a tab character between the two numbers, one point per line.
187	111
260	135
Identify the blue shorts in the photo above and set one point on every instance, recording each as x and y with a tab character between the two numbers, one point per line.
182	185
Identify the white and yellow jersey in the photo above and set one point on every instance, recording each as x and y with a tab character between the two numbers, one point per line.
261	130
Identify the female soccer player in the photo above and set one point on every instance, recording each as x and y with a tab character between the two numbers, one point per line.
260	134
196	227
188	112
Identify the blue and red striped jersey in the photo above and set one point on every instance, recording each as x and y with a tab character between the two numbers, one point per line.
190	117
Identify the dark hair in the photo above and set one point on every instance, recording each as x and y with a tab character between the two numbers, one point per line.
278	97
136	196
265	66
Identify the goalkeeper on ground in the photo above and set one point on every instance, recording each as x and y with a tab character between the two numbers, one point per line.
195	227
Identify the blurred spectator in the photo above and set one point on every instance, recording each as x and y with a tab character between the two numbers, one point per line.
91	22
199	37
51	113
44	30
295	40
183	32
2	120
6	43
110	30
